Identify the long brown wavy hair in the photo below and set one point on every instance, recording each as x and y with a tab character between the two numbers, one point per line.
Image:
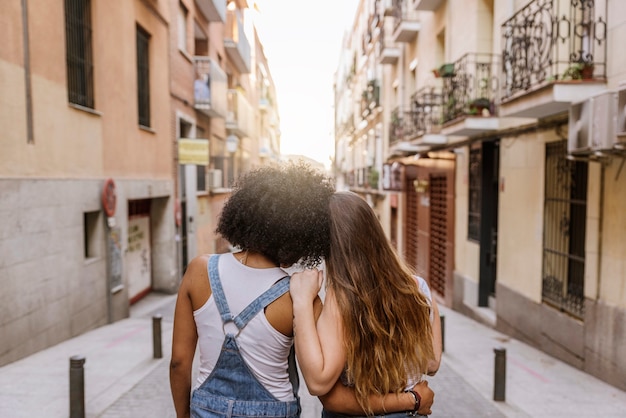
387	331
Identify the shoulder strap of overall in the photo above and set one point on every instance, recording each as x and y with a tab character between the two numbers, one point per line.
217	290
270	295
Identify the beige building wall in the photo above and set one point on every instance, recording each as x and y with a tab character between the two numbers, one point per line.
612	289
520	222
616	68
54	269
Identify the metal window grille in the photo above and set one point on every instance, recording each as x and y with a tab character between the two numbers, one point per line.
143	76
473	212
564	231
438	233
411	227
79	53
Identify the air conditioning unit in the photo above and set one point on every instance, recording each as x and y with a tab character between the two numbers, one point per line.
604	122
214	179
592	124
579	130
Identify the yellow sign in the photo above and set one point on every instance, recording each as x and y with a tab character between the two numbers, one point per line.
193	151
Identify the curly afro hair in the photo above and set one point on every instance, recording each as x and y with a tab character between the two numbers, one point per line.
280	212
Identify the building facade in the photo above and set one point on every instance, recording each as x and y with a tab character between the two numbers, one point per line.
87	195
503	141
223	102
124	126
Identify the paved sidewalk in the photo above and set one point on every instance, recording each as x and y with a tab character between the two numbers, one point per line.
122	380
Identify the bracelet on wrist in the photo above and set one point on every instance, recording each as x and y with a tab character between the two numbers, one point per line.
418	400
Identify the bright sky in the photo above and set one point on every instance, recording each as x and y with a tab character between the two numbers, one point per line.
302	41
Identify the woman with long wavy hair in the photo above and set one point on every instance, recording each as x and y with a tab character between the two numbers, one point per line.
374	332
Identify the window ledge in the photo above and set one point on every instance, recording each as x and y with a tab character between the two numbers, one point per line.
91	260
85	109
221	190
147	129
186	55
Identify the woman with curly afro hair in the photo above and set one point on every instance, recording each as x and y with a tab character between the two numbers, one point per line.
236	307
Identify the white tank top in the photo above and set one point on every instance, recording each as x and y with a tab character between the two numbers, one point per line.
263	348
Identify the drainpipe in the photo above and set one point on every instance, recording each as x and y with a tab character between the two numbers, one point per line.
27	80
600	229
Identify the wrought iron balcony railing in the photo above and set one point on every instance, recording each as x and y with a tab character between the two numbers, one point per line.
470	86
395	127
402	126
387	51
553	40
370	98
426	110
405	21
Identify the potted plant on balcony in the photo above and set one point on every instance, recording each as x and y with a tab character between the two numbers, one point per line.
372	178
480	106
579	71
447	70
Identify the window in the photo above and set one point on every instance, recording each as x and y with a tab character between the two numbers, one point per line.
92	234
473	210
143	76
565	212
182	27
79	59
201	169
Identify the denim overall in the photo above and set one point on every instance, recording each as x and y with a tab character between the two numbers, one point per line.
232	390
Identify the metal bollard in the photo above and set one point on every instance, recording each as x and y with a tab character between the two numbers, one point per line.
443	334
77	387
499	384
156	336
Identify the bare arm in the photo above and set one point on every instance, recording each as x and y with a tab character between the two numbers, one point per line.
341	399
319	346
184	342
433	365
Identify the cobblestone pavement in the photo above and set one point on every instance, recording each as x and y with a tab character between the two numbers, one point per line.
454	397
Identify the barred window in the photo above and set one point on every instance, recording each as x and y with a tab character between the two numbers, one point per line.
475	168
79	52
143	76
564	227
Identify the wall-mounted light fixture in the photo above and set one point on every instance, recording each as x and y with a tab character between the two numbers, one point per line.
421	186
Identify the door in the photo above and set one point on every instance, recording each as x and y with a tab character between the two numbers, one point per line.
138	259
490	163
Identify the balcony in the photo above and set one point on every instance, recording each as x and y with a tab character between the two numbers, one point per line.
426	115
402	129
235	42
388	52
427	5
406	26
370	98
554	53
470	95
210	89
240	116
213	10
